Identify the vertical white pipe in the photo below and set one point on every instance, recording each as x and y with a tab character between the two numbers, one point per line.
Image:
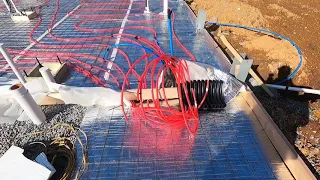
146	9
48	78
23	97
15	8
12	64
7	5
165	7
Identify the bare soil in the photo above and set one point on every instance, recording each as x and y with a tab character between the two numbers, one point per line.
296	114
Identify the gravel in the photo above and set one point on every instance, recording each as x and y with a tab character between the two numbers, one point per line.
15	134
297	117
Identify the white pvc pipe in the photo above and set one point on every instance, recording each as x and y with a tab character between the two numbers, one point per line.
12	64
7	5
165	7
296	89
23	97
48	78
15	8
146	9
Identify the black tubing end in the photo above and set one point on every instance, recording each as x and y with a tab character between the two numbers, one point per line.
169	13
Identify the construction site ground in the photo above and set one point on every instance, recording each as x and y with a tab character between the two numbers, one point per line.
296	114
229	143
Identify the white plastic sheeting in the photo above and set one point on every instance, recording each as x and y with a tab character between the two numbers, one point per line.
90	96
10	110
199	71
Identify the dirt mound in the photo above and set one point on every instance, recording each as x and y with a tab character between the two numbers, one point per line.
232	12
275	49
282	10
277	53
268	52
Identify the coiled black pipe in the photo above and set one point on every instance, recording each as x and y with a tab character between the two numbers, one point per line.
214	99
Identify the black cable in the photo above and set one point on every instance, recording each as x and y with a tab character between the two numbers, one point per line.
60	153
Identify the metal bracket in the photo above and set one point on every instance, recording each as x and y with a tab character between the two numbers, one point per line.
201	19
241	69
